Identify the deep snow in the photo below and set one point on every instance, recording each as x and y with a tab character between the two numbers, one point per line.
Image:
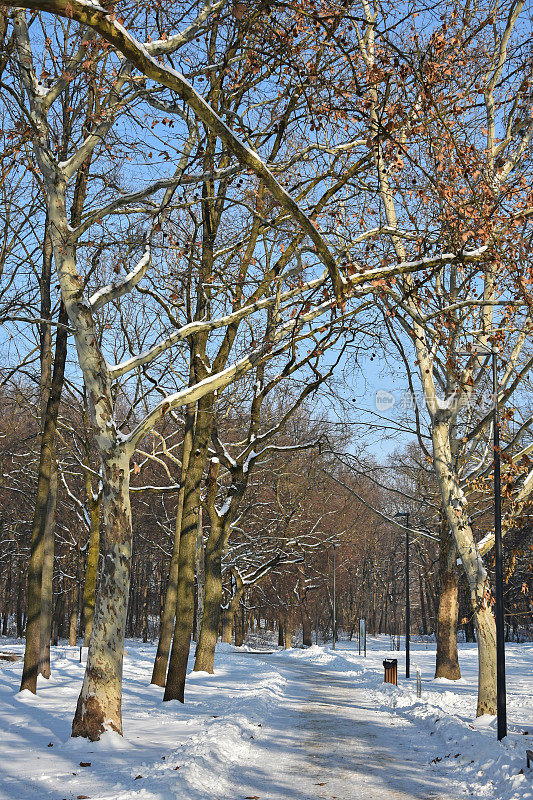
292	725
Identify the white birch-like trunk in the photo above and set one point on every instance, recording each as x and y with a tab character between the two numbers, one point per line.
476	574
100	700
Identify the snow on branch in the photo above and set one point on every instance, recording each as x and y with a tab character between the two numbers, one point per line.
139	55
150	488
363	279
277	448
111	292
218	381
200	326
261	571
173	43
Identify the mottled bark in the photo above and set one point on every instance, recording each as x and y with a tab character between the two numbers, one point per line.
91	568
486	644
100	702
447	657
476	574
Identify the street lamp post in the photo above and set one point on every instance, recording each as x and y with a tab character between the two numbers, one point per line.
407	597
334	600
501	703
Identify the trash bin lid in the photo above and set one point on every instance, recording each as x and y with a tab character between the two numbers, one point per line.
390	662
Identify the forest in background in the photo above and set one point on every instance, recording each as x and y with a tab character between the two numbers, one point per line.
283	549
215	219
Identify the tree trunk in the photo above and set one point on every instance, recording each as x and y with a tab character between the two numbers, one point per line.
73	616
100	702
288	629
239	625
227	625
183	628
35	570
229	618
470	634
281	635
144	613
58	618
91	568
205	651
130	613
200	576
20	595
476	574
46	360
159	672
307	634
7	600
48	573
447	658
179	654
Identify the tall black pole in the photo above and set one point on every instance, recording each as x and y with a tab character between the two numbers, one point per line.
334	602
500	626
407	599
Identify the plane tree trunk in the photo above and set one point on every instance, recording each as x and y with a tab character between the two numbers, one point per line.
91	569
447	657
99	703
476	574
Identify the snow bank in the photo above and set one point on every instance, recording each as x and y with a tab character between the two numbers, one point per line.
467	746
204	749
168	750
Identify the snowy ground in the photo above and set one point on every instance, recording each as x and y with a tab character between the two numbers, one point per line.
294	725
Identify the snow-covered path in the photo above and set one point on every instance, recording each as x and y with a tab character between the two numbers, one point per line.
292	725
332	742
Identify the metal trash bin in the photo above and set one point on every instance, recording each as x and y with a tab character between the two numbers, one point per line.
391	670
